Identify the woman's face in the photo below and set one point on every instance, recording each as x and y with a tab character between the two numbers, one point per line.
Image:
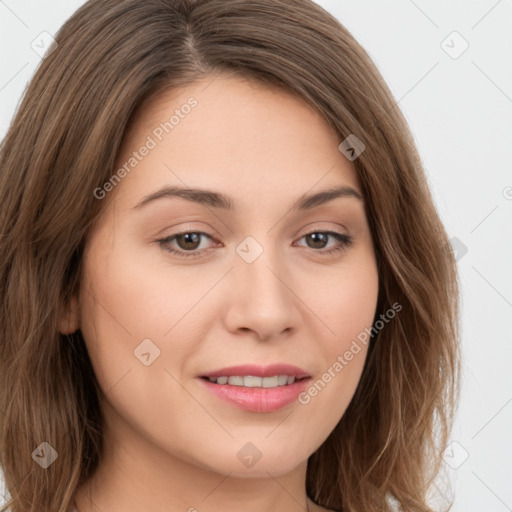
264	277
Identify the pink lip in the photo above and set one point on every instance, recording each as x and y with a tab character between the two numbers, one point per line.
257	399
259	371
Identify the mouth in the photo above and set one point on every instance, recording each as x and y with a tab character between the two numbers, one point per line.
257	388
254	376
253	381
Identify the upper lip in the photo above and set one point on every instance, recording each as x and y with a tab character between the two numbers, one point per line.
259	371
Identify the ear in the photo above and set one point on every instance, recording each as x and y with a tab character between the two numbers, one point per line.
69	319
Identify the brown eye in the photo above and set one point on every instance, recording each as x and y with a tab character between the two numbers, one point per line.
188	241
318	240
185	244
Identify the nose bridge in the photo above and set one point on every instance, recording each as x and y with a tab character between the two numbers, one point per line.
259	266
263	302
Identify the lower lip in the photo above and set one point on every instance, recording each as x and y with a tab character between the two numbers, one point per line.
257	399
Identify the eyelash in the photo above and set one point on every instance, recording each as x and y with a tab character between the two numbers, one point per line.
345	242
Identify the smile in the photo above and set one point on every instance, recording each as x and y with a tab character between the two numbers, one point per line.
250	393
251	381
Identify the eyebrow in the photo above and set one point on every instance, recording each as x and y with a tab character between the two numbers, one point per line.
218	200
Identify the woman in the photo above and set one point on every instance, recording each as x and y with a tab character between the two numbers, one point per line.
225	283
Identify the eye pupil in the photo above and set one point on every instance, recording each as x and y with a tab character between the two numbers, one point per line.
190	238
320	238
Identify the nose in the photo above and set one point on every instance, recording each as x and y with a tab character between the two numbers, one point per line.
263	301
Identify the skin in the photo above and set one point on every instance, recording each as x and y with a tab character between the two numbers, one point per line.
170	444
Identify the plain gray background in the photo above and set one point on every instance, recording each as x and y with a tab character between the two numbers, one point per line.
458	102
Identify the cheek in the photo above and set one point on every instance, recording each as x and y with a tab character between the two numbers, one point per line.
346	305
143	297
127	298
346	299
123	305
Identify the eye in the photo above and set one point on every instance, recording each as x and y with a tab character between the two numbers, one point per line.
318	240
188	243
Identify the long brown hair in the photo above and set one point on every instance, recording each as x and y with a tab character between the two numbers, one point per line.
112	55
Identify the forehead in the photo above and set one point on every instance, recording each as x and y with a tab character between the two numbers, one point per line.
233	134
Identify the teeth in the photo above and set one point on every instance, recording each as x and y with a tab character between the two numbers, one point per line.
235	381
250	381
270	382
282	380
